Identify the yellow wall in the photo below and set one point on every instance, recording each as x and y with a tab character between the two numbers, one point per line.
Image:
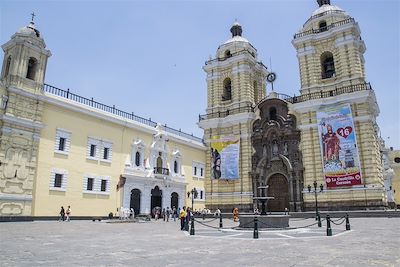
82	126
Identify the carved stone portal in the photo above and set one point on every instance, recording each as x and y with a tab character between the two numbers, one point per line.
277	158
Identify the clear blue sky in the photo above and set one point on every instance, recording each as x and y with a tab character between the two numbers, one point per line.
147	56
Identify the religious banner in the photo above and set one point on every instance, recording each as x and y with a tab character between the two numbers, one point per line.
225	157
341	165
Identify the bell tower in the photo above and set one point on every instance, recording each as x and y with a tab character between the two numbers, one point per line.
235	83
337	112
21	107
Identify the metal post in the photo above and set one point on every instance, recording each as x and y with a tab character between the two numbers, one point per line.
255	232
316	200
347	222
192	225
319	220
220	220
328	226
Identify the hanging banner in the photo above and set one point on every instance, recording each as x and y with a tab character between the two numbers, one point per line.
225	157
341	165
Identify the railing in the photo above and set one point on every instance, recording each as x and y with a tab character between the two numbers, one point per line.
221	114
159	170
333	25
323	14
232	55
111	109
330	93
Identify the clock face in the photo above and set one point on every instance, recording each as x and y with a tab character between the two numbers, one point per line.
271	77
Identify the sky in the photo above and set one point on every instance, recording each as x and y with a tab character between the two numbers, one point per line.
146	57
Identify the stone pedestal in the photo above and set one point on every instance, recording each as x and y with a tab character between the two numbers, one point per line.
264	221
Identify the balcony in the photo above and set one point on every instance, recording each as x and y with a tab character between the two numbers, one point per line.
223	114
161	171
324	29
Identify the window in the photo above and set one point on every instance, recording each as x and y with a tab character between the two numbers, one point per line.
32	66
137	159
93	150
201	194
228	53
195	170
89	186
63	141
198	170
61	145
58	180
327	65
103	187
105	153
8	64
201	172
397	160
272	113
175	166
322	26
227	90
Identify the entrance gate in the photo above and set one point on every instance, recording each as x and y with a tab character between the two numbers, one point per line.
278	188
135	201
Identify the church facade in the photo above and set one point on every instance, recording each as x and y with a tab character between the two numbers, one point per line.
323	143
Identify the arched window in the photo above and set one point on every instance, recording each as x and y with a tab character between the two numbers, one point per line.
255	92
137	159
32	66
159	162
322	26
327	65
228	53
8	64
272	113
175	166
227	90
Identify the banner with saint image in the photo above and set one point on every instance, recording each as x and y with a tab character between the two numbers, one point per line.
225	157
341	164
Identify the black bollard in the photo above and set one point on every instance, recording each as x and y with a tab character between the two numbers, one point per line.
319	220
328	226
220	220
255	232
347	222
192	226
204	216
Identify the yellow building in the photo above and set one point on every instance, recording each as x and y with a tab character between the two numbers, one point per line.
61	149
394	163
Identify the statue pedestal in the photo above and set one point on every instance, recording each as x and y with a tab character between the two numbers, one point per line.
264	221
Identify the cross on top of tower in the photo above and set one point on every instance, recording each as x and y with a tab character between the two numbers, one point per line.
324	2
33	16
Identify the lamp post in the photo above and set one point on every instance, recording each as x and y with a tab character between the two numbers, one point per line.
316	196
194	193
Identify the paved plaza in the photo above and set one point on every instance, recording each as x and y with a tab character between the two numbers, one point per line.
371	242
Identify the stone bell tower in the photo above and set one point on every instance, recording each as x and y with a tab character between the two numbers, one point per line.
337	112
22	77
235	83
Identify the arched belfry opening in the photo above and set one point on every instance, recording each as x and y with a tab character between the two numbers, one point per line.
327	65
227	84
277	160
32	68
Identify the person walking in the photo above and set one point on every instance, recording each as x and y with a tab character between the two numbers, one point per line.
68	213
163	214
174	213
168	213
62	214
182	216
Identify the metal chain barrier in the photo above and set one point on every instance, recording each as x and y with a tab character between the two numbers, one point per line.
210	226
206	221
334	222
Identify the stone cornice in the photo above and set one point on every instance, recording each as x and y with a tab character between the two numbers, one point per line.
228	121
15	197
22	122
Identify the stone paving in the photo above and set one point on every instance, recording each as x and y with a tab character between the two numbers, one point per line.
371	242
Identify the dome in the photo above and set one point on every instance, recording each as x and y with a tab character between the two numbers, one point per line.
29	30
325	8
237	39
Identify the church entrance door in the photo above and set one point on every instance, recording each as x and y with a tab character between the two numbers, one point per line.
156	197
135	201
278	188
174	200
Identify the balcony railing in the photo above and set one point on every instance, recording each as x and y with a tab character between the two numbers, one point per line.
325	94
113	110
222	114
333	25
162	171
323	14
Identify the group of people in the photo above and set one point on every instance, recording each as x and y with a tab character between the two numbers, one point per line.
64	214
165	214
185	215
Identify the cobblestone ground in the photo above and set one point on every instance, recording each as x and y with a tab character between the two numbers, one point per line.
371	242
